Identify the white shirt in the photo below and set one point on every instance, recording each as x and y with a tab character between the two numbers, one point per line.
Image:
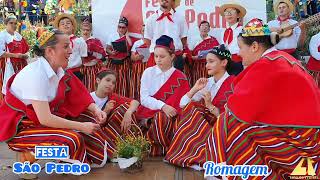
6	38
36	81
100	102
151	81
233	46
136	45
177	29
314	45
79	50
212	86
290	42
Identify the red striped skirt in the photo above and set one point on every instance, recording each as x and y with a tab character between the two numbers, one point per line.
159	131
83	148
198	71
113	127
123	79
89	73
136	73
188	145
280	148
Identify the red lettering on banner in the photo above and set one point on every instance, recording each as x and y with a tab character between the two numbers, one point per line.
213	18
189	2
153	3
149	13
190	16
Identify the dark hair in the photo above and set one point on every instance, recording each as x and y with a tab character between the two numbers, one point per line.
265	41
229	66
6	20
40	51
204	22
103	73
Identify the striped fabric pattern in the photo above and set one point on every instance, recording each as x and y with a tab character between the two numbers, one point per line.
280	148
89	79
123	79
113	127
135	78
188	145
82	147
160	133
198	71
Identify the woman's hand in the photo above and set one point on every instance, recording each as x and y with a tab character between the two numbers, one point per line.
207	98
127	121
200	84
169	111
109	106
21	56
100	116
89	127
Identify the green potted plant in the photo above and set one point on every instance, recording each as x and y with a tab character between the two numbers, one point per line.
131	151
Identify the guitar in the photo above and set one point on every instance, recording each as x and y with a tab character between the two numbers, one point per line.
287	28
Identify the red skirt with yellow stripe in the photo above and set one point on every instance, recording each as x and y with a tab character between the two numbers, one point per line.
135	78
83	147
188	145
159	131
113	127
280	148
123	80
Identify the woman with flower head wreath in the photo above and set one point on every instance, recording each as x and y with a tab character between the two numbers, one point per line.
44	105
272	118
13	51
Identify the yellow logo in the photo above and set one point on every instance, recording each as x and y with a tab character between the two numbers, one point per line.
300	170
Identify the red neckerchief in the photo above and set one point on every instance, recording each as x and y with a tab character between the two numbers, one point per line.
283	20
163	15
72	37
228	35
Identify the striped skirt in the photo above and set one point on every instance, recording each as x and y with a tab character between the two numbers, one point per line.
83	147
281	149
113	127
198	71
89	73
159	131
135	78
123	80
188	145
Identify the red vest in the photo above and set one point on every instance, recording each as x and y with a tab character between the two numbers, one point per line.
313	63
170	93
222	95
71	100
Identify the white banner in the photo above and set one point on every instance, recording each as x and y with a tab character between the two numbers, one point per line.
106	13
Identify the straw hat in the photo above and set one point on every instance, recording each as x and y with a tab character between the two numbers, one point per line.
62	16
288	2
233	4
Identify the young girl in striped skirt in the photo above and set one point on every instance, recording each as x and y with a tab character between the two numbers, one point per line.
45	105
120	110
202	105
162	87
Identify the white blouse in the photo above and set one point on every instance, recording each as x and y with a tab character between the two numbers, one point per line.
36	81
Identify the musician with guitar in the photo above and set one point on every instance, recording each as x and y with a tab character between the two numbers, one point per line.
291	36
